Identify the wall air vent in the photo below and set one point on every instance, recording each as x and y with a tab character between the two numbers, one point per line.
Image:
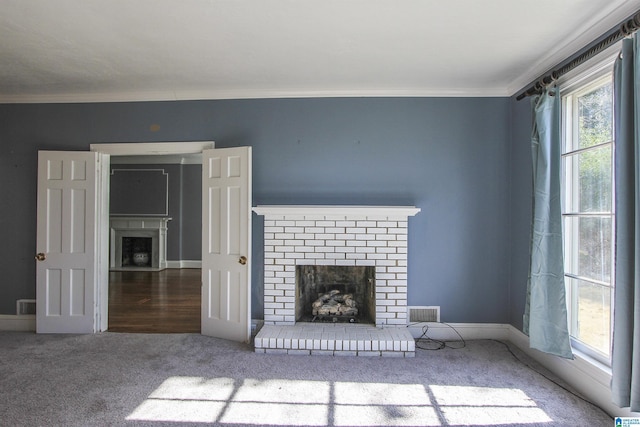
25	307
419	314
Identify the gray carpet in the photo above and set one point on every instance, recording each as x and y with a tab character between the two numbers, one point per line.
115	379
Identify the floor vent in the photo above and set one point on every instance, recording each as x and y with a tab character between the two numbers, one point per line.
424	314
25	306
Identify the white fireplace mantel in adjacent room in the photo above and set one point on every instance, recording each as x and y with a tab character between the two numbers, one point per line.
341	236
154	228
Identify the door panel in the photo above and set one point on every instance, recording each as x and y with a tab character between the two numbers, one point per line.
66	280
226	245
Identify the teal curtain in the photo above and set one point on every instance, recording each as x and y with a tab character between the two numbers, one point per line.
625	383
545	317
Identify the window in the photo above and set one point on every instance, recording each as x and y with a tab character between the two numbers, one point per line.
588	217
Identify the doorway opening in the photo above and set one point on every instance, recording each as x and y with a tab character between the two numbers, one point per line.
155	288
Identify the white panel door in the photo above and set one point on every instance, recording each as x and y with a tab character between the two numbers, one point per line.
226	243
66	266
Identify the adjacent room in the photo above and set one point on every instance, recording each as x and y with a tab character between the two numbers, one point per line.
323	212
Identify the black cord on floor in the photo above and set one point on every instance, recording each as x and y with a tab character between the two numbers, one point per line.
584	399
424	342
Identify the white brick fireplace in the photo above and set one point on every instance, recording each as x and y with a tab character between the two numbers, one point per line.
336	236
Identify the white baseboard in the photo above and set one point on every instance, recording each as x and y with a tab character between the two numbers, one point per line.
19	323
184	264
468	331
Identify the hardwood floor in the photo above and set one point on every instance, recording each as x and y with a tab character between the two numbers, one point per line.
166	301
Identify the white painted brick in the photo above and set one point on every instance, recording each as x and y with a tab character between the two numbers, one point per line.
396	296
303	248
345	262
347	223
314	230
365	262
356	243
385	276
304	236
397	282
387	224
273	280
398	243
386	262
336	243
285	223
325	223
397	230
325	236
285	274
307	261
356	256
273	254
334	230
385	237
273	242
326	262
313	255
376	256
335	256
365	237
376	243
273	292
283	248
284	236
269	223
274	229
366	224
356	230
324	249
376	230
365	249
305	223
274	305
346	236
269	235
294	229
396	256
283	261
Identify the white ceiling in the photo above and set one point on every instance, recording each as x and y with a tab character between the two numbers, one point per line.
128	50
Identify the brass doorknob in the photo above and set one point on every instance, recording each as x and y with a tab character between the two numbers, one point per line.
41	256
243	260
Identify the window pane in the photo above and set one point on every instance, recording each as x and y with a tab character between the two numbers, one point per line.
589	186
591	314
588	247
595	112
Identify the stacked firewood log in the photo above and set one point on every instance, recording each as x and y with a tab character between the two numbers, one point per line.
334	303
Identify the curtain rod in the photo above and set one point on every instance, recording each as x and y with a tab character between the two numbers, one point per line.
626	28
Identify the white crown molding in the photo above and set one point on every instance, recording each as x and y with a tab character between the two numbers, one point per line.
213	94
591	30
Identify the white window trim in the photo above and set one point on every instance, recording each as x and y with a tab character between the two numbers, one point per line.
582	81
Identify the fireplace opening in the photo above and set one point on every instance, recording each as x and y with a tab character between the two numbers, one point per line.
137	251
335	294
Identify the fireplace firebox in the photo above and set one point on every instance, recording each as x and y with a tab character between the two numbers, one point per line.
335	293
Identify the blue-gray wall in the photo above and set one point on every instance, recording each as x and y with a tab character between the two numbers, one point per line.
520	206
449	156
181	194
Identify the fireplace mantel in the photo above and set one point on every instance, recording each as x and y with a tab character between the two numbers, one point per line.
154	228
336	211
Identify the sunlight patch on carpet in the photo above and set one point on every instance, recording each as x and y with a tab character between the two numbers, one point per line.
320	403
488	406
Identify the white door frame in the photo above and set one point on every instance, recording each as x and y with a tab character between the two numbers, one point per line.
128	149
